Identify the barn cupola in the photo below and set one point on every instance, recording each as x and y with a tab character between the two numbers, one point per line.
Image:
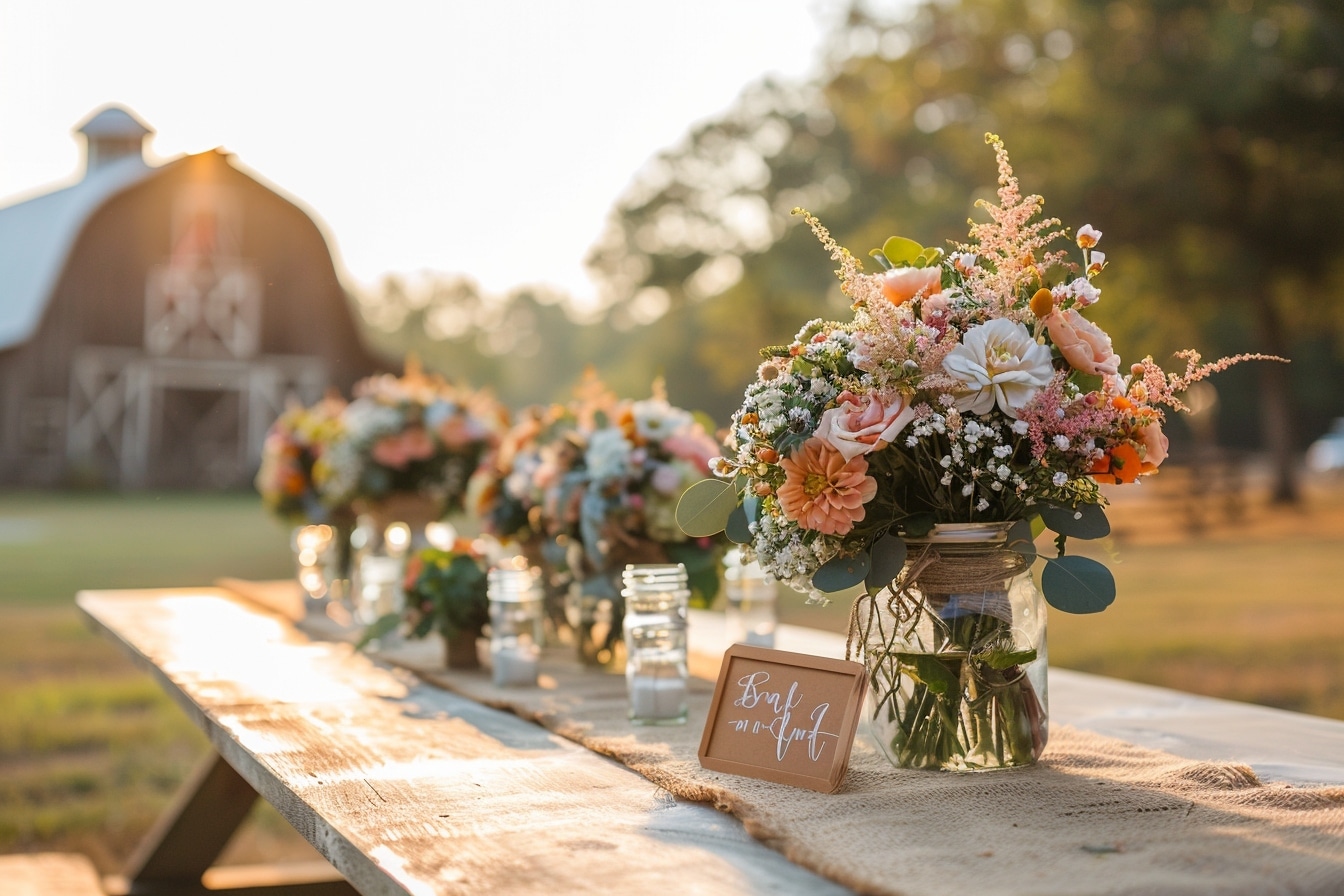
110	134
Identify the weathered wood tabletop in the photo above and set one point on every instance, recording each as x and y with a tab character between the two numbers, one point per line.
409	789
405	788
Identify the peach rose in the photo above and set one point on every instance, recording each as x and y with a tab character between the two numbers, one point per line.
856	425
1155	445
823	491
900	285
1083	344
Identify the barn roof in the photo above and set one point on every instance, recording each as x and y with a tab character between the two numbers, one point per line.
36	238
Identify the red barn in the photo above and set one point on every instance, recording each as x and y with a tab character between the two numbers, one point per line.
155	319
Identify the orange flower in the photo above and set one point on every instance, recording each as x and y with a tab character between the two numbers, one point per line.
823	491
900	285
1121	465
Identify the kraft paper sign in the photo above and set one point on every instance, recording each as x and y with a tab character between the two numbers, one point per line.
784	717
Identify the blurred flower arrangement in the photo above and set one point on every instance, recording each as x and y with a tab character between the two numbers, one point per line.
636	470
413	434
587	487
968	398
295	441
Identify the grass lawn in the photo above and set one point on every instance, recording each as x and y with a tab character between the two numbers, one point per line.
90	748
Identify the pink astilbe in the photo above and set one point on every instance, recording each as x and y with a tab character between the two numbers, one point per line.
1050	414
1153	385
863	288
1009	239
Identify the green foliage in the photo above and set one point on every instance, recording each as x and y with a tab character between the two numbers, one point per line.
1076	584
888	559
842	573
448	593
705	508
1086	521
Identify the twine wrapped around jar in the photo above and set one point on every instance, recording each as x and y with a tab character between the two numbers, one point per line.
933	571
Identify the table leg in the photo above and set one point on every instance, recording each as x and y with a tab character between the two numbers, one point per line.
191	833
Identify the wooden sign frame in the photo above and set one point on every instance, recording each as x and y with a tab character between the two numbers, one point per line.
784	717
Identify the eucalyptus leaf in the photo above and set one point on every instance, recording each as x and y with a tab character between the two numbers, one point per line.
930	670
1076	584
917	525
1086	521
1000	659
888	559
901	251
1021	539
840	573
704	508
383	625
738	530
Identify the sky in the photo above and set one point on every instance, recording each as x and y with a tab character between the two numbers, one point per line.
483	137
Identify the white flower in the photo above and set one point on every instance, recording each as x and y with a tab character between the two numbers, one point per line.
1000	363
1088	236
1060	479
1083	291
655	419
1062	443
1021	427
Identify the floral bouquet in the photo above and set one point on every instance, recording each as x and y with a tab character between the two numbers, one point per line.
917	448
294	443
446	592
414	435
523	495
621	507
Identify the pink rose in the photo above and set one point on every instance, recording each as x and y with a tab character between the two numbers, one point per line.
397	451
666	479
693	446
900	285
1083	344
933	310
1155	445
856	425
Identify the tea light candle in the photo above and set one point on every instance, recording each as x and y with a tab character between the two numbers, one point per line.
514	666
658	695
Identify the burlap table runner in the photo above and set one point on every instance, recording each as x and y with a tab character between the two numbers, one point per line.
1097	815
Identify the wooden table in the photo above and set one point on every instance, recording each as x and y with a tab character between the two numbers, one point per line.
407	789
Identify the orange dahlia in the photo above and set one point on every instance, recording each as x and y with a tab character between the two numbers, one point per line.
822	490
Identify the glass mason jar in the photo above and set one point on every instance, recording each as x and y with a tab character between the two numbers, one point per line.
956	656
750	614
656	599
515	625
594	611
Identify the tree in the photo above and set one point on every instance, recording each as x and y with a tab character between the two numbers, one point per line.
1202	136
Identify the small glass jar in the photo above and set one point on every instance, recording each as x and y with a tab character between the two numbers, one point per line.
516	612
314	549
750	615
656	599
